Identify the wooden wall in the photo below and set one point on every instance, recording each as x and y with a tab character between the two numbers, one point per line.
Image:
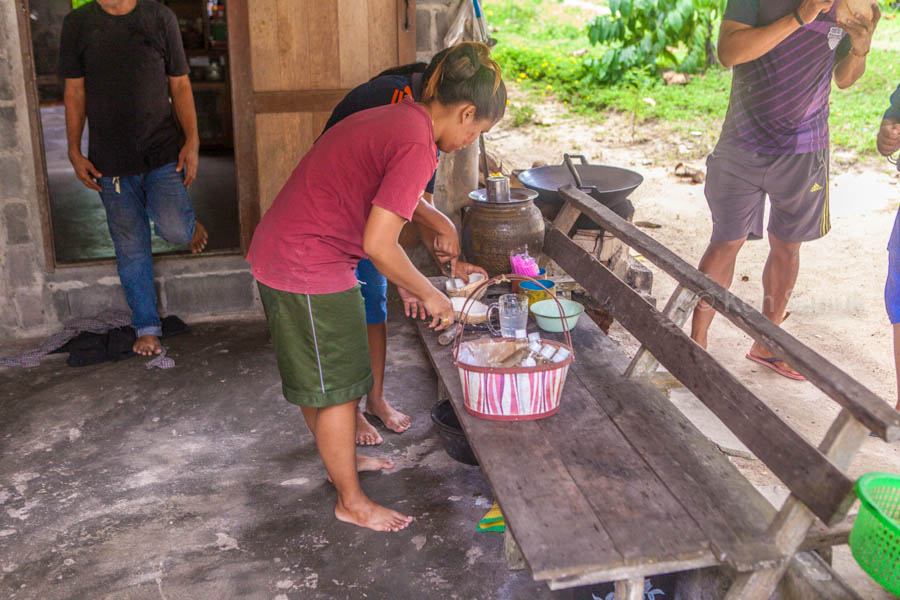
305	55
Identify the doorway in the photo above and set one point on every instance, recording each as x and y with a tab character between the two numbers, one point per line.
77	218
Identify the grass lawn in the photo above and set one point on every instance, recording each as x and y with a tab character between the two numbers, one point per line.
544	48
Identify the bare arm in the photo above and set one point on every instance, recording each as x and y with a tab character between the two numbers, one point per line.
380	244
74	100
183	101
849	69
740	43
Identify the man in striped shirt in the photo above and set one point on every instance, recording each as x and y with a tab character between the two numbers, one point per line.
774	141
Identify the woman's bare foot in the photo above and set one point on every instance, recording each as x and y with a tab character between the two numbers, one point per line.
392	418
198	242
147	345
366	435
366	513
370	463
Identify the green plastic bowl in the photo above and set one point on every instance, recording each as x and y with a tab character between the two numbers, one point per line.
875	537
546	313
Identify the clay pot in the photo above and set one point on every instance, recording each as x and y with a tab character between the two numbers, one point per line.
491	231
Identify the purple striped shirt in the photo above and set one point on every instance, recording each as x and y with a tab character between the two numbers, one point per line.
779	102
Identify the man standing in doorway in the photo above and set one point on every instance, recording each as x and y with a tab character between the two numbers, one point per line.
775	141
121	59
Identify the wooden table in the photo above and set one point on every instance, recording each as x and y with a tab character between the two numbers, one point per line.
617	484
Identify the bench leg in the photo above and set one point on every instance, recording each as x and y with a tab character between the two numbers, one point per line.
630	589
442	393
791	524
514	558
826	554
679	308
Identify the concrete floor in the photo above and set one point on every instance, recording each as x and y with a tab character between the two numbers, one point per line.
79	220
202	482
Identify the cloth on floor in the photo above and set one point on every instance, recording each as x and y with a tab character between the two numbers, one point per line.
493	520
88	348
103	322
161	361
91	348
107	336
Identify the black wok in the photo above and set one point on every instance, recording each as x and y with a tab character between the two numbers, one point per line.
608	185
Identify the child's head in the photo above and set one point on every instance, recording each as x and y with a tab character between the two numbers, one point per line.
465	91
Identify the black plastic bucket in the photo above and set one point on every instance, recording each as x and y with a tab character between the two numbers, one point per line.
452	437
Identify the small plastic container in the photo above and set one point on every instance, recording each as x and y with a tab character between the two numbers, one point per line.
516	283
542	289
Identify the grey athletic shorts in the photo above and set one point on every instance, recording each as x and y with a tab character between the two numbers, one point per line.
737	183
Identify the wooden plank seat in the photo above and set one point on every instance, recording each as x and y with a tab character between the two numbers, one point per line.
619	485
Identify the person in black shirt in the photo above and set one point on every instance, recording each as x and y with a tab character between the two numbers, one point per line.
436	230
121	59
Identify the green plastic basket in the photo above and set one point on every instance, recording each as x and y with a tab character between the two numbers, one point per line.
875	537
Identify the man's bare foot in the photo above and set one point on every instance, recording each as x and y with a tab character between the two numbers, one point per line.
198	242
147	345
370	463
392	418
366	435
373	516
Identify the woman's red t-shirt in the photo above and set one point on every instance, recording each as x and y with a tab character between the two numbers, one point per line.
311	238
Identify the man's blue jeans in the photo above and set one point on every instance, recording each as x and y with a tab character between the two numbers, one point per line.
130	201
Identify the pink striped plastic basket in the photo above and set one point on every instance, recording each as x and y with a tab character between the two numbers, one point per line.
515	393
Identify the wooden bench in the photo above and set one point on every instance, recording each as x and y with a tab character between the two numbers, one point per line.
619	485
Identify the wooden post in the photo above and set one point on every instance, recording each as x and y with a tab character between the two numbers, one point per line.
514	557
790	526
457	176
630	589
566	217
678	309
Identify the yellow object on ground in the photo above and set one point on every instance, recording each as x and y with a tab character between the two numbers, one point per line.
493	520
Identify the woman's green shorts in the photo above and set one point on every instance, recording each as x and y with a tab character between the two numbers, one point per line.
320	344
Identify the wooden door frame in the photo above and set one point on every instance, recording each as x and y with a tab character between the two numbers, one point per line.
39	159
243	118
246	103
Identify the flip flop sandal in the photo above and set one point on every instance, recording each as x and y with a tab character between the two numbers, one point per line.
770	363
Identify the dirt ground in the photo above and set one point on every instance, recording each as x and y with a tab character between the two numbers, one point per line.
837	306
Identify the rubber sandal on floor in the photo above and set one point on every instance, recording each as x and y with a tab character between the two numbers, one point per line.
770	362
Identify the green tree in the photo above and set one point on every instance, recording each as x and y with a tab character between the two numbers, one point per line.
643	33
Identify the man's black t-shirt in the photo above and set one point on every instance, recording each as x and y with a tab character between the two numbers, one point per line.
387	89
125	62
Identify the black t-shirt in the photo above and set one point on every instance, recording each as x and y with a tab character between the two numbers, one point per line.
388	89
126	62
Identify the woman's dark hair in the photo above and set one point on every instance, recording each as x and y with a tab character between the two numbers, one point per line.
466	73
402	70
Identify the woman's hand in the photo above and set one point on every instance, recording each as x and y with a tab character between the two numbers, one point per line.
441	310
412	305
